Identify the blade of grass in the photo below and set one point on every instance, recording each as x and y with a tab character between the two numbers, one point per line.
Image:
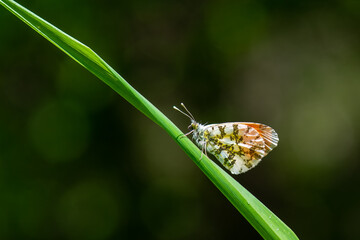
260	217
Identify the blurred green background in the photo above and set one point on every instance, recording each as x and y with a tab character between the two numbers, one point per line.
78	162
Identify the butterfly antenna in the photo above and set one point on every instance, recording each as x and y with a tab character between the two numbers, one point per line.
192	117
183	113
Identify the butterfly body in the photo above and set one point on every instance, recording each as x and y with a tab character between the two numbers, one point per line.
239	146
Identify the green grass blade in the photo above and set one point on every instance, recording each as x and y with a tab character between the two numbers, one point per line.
259	216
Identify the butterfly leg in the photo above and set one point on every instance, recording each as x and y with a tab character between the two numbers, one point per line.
185	135
203	150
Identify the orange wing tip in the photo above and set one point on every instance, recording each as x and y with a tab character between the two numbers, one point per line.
269	135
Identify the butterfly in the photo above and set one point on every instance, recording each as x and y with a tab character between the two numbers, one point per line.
239	146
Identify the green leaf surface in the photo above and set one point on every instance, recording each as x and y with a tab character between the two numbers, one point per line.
258	215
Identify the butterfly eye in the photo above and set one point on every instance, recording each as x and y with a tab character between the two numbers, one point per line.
190	127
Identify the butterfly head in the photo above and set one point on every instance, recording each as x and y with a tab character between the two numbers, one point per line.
194	125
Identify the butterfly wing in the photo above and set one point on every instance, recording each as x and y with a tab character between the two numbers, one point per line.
239	146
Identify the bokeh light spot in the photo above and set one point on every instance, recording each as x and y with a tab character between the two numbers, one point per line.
166	212
322	135
59	131
91	211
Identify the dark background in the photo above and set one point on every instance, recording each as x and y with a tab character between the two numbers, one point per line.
78	162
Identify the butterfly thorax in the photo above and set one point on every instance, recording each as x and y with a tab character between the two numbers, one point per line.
198	133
